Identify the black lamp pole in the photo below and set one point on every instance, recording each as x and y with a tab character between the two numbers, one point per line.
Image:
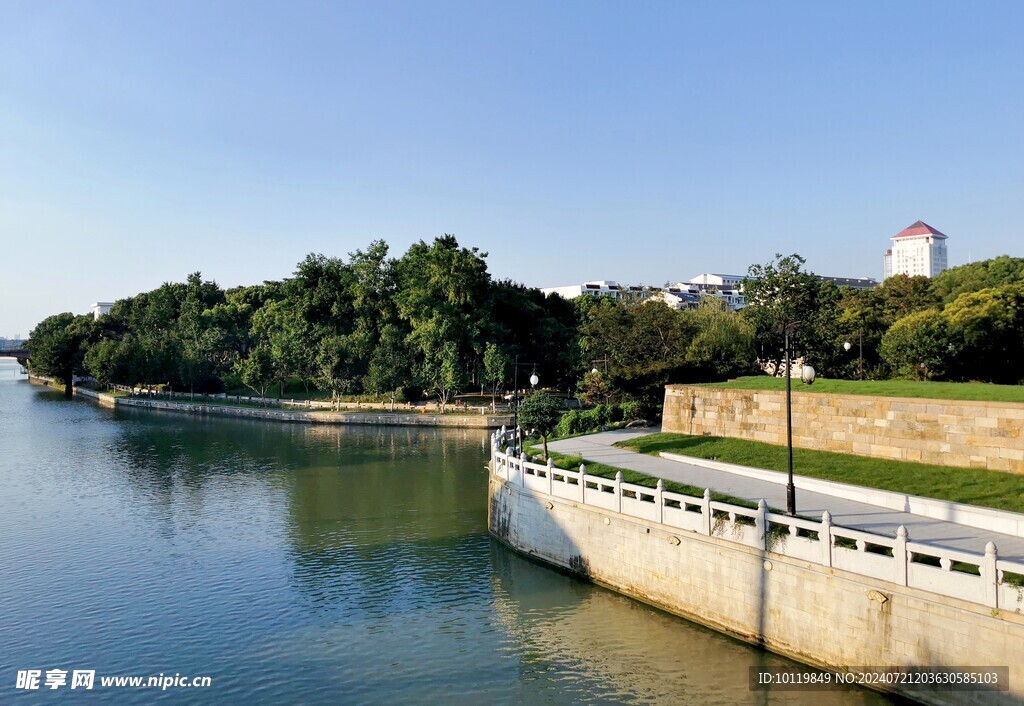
515	409
860	335
516	442
790	488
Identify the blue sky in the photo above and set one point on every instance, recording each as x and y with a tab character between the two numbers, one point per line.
638	141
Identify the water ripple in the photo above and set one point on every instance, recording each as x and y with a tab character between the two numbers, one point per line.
312	565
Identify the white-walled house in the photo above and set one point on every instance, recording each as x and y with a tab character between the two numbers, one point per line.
675	299
101	309
714	279
594	288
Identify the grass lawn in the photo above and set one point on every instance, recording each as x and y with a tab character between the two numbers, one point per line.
1004	491
572	463
978	391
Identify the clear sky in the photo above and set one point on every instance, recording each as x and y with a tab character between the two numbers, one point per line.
637	141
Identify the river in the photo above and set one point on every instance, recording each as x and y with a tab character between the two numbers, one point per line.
306	564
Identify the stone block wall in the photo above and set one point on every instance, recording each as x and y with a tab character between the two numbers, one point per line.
943	432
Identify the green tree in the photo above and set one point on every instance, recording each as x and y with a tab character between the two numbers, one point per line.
900	295
56	347
196	340
442	298
645	345
991	327
594	389
781	292
497	365
920	345
441	372
279	326
334	367
723	344
256	370
390	367
108	361
974	277
540	413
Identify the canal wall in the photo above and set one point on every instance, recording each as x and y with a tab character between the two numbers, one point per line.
824	595
464	421
942	432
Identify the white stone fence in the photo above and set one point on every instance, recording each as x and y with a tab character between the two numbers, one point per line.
979	578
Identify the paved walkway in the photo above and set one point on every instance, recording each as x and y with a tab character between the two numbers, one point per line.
847	513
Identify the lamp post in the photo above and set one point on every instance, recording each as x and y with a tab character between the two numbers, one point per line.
807	376
847	346
604	379
516	445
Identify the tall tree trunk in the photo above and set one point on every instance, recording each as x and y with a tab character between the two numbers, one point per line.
69	385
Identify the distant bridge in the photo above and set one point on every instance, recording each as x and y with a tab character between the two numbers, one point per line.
14	349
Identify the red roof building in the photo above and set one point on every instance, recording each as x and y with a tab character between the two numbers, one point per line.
917	250
919	228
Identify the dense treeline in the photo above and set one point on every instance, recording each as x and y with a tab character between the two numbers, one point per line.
965	324
433	323
369	324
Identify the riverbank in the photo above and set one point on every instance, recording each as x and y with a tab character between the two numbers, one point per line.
463	421
828	595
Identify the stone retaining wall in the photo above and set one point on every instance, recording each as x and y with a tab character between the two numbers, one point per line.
819	615
388	419
942	432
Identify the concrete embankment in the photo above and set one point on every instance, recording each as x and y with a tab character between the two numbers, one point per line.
466	421
827	596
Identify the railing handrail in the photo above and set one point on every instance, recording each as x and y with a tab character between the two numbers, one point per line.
891	565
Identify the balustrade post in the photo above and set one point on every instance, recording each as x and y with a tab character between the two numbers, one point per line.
899	555
990	575
618	491
659	498
825	537
583	484
761	523
551	464
705	511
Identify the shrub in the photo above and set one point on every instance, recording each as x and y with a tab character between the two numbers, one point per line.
570	423
603	414
631	410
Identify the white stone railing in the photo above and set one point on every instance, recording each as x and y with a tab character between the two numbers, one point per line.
978	578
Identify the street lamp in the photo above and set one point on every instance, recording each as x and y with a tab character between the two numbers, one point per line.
534	380
807	376
847	346
604	379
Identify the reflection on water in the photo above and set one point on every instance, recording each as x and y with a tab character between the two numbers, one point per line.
300	564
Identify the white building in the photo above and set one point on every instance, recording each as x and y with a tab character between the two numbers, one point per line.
916	250
855	282
728	289
101	309
596	288
675	299
713	279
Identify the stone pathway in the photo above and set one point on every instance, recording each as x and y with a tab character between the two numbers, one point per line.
847	513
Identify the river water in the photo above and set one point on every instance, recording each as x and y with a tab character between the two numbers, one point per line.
306	564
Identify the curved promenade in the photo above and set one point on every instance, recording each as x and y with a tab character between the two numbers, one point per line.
866	516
